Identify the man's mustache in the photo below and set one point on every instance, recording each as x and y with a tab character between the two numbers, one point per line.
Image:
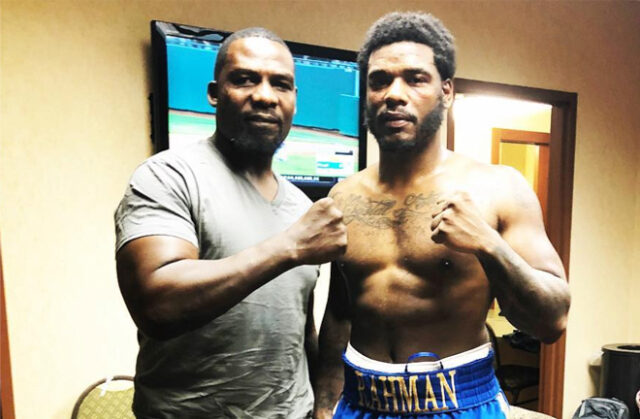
395	115
261	116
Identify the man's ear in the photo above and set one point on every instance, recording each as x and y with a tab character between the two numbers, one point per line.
447	93
212	93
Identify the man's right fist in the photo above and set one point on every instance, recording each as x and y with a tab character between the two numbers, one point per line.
320	235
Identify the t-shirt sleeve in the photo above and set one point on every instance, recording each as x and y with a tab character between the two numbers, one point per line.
156	202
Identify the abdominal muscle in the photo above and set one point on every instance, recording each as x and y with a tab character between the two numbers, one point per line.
397	313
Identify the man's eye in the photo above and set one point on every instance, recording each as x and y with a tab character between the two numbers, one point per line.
283	85
418	79
378	82
242	80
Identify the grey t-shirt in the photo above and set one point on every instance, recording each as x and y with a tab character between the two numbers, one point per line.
250	362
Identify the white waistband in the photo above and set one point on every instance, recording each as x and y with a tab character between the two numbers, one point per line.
452	361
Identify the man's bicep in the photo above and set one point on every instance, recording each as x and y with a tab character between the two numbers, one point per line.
336	322
522	227
533	245
338	300
138	259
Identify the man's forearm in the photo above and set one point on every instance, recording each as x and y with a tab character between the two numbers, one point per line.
533	300
186	294
329	379
170	291
327	389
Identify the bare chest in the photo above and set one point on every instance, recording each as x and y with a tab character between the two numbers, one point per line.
386	231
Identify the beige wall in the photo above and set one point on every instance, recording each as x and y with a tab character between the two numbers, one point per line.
75	122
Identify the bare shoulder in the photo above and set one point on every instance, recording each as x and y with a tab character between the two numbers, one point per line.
514	198
484	172
509	193
504	180
514	192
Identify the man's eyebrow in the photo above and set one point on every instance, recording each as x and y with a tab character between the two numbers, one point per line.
283	76
416	70
409	70
251	72
242	71
377	73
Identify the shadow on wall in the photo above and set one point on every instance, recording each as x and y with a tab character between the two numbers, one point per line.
595	370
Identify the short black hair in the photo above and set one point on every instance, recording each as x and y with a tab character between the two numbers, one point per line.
417	27
256	32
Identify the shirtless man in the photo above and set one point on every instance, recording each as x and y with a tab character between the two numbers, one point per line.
433	237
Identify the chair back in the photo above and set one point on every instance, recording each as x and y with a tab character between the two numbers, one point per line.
109	398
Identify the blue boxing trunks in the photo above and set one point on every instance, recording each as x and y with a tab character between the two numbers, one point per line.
461	386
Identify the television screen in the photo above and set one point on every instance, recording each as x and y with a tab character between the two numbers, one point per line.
326	142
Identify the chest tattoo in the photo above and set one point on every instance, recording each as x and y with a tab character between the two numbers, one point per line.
382	213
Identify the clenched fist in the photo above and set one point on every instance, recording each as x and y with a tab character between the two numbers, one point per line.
458	224
320	235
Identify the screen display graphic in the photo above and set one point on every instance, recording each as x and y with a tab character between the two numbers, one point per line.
323	145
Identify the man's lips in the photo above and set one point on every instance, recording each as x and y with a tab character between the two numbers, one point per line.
262	118
394	119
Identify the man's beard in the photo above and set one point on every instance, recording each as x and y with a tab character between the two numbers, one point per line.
424	133
252	145
244	140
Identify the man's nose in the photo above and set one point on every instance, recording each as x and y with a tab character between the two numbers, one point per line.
396	93
264	94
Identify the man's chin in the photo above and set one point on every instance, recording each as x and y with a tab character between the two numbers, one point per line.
257	145
397	143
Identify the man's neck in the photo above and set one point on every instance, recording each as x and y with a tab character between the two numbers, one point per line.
256	168
401	168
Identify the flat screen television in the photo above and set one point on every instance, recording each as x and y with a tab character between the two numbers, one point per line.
327	141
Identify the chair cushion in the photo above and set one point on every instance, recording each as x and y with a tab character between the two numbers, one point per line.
110	405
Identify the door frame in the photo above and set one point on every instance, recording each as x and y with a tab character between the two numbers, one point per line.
540	139
560	198
6	392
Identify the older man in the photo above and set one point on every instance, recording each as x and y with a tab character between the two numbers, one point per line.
211	254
